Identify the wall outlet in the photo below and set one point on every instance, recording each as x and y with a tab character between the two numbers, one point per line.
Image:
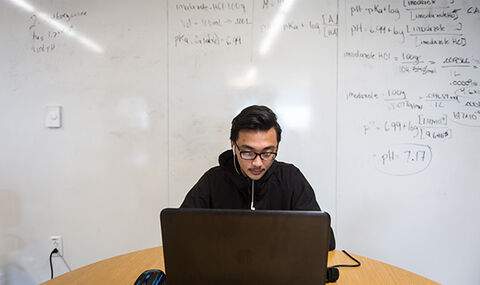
57	242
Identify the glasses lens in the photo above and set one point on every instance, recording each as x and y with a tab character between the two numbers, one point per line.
248	155
267	155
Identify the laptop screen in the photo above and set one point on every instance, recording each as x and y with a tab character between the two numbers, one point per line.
206	246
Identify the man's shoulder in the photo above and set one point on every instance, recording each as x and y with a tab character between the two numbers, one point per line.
217	171
286	170
214	170
286	167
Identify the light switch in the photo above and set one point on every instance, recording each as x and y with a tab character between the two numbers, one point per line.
53	117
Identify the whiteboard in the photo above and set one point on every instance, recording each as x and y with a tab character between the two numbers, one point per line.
218	66
379	102
408	127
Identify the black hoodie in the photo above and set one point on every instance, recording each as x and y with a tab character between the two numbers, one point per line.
282	187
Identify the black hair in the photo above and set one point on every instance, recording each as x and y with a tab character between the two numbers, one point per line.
257	118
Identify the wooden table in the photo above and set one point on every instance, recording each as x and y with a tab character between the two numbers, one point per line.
124	269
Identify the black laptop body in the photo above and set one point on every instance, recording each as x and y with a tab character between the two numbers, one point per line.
233	247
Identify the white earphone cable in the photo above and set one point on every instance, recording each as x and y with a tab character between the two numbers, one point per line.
252	206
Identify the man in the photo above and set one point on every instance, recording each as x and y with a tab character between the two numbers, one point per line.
249	177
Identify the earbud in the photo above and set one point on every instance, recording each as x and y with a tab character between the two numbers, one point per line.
234	162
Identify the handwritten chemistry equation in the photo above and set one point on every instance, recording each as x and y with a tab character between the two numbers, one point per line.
46	31
429	23
229	24
209	24
403	159
431	51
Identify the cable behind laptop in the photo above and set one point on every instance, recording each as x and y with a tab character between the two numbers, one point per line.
333	273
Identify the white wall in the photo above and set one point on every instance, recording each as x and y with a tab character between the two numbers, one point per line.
148	92
99	180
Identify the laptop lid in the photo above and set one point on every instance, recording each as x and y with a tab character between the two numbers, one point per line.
207	246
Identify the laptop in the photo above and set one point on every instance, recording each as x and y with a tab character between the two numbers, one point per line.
212	246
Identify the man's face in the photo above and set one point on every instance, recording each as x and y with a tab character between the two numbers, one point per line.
259	142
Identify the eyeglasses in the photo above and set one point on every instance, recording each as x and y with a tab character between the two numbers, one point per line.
251	155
